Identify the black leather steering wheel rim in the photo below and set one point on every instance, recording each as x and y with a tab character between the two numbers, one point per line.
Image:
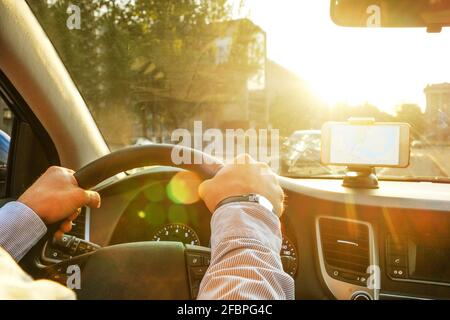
140	270
141	156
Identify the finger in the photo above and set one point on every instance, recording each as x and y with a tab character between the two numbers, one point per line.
65	226
74	215
265	170
58	235
93	199
280	213
281	193
282	206
244	159
202	188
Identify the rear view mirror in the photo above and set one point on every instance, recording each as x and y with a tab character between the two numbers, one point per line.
432	14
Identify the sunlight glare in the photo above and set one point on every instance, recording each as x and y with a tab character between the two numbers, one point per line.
385	67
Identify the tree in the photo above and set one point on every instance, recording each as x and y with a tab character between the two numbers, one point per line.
412	114
141	56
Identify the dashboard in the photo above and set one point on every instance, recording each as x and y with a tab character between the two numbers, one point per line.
390	243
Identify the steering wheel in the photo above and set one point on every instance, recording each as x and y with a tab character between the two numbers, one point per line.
143	270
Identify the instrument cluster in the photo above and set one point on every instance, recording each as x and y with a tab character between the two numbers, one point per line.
153	215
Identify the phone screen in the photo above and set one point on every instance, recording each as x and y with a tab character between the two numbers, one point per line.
365	144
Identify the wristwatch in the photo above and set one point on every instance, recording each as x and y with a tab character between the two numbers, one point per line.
252	197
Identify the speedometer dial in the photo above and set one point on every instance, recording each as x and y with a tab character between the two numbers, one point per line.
177	232
289	257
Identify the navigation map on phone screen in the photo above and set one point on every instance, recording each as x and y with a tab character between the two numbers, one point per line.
365	144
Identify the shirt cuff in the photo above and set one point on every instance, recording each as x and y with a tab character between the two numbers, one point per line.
20	229
246	220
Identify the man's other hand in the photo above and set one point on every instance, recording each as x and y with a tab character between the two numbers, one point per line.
244	176
55	196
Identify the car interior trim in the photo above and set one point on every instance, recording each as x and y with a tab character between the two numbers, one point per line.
33	66
398	296
87	230
393	194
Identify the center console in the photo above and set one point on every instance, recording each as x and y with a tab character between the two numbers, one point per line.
410	250
415	254
419	258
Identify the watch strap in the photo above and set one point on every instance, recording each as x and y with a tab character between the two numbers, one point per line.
252	198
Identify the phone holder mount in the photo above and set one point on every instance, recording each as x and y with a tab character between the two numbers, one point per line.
360	177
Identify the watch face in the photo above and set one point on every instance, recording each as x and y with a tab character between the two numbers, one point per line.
265	203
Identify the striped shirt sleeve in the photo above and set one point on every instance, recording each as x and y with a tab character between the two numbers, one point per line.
245	262
20	229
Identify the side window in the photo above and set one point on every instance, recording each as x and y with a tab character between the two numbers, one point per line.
6	124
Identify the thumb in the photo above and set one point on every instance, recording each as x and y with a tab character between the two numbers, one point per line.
93	199
202	189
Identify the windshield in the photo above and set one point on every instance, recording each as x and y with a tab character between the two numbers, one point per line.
163	70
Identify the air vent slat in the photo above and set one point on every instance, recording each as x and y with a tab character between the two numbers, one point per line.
345	244
345	255
362	243
336	234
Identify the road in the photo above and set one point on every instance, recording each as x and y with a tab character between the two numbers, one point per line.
424	162
442	157
429	162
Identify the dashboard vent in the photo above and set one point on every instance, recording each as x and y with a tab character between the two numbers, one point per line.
345	245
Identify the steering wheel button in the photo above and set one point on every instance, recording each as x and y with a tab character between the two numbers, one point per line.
198	272
194	260
206	260
64	242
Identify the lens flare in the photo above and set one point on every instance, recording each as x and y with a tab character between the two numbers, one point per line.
141	214
178	214
155	192
183	188
155	214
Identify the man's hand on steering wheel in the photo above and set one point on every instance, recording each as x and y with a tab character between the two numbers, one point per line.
244	176
56	196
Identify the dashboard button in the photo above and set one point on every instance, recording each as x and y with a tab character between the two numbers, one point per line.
397	260
398	272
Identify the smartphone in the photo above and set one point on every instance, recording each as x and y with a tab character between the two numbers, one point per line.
379	144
